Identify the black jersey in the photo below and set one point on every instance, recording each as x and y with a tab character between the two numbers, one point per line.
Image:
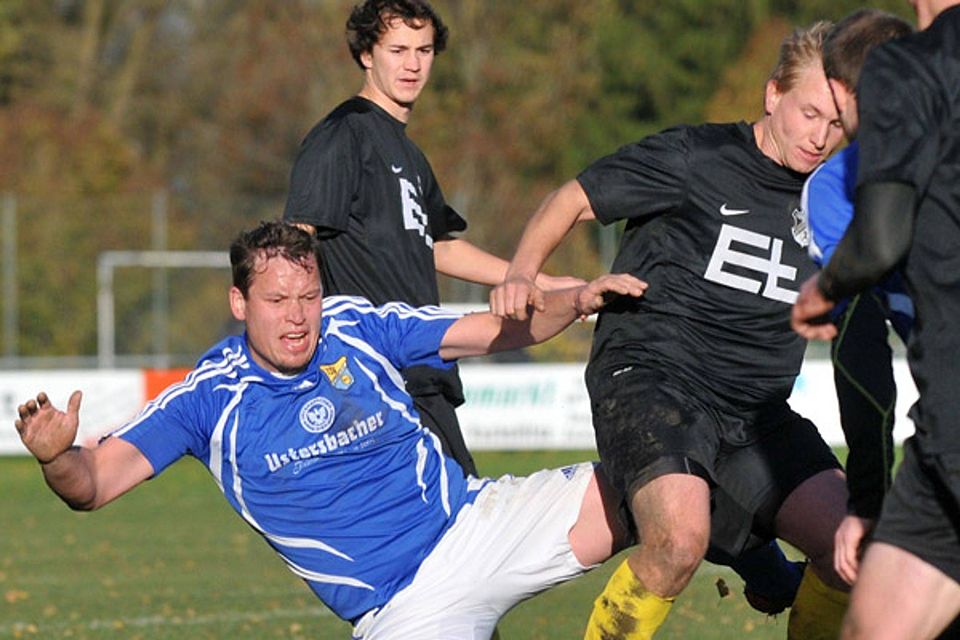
376	204
909	96
714	226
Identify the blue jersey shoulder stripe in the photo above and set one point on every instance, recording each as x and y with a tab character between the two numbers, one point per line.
232	361
339	304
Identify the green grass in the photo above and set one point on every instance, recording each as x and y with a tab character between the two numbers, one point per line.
171	560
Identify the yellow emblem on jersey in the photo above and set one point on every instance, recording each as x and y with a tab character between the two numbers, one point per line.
338	373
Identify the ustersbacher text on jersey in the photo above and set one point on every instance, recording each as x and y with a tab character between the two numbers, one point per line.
332	465
714	226
376	204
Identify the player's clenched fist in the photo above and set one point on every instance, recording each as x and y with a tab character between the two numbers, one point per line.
512	298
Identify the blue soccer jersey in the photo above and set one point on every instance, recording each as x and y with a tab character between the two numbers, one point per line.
828	203
331	466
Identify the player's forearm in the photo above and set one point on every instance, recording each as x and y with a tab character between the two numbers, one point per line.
876	241
552	221
563	306
483	333
561	309
480	334
71	476
461	259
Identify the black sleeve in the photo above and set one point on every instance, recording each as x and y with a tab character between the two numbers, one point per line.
875	243
324	179
867	395
640	179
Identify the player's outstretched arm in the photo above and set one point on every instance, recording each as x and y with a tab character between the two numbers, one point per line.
85	478
480	334
557	214
458	258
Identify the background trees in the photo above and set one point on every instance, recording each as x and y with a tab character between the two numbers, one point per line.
106	103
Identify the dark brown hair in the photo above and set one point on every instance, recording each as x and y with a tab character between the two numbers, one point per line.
846	47
371	19
269	240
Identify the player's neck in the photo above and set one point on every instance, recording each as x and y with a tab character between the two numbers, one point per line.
766	143
396	109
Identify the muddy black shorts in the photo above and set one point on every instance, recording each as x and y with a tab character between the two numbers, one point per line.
649	425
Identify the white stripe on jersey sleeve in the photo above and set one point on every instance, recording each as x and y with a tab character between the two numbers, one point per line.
232	361
338	304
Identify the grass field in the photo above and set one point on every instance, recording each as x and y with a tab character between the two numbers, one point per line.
172	561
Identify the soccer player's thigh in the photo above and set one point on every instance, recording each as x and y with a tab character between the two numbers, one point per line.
918	553
510	544
648	426
921	513
790	481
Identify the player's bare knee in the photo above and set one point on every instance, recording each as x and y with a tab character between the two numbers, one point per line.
675	555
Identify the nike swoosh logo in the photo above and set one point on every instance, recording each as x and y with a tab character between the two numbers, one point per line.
395	168
724	211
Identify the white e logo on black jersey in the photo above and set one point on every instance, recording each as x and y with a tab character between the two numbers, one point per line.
769	265
414	219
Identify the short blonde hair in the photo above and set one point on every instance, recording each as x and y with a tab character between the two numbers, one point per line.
798	51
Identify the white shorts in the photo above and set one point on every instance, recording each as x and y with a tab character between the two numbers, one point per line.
509	545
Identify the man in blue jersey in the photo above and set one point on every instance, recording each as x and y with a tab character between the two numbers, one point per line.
861	353
306	426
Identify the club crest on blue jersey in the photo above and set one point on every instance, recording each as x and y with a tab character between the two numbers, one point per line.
317	415
338	373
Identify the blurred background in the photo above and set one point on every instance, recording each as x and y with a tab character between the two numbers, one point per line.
132	125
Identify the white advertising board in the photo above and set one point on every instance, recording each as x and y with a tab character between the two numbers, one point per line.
521	406
110	397
546	406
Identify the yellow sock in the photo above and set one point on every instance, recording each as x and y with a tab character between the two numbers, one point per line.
817	611
626	610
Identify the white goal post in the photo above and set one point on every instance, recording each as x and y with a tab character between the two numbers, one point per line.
109	261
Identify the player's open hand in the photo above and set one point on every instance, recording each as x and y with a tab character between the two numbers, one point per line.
848	546
809	317
514	297
45	430
597	293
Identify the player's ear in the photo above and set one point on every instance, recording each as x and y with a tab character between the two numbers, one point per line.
238	304
771	97
366	59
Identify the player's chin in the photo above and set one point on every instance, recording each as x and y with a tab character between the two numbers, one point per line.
804	162
292	365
